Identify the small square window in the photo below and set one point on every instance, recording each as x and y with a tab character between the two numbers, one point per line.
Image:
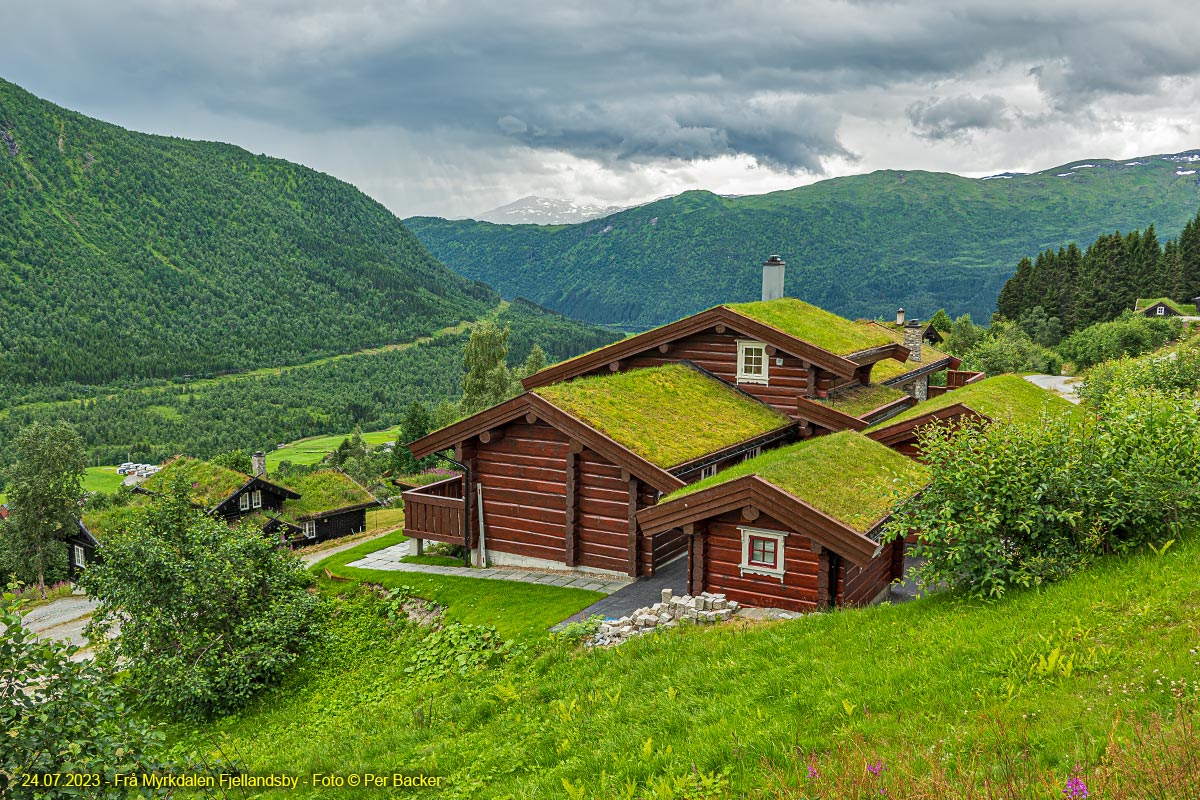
752	453
1162	312
708	472
752	363
762	552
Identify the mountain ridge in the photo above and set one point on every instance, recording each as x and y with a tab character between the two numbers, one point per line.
859	245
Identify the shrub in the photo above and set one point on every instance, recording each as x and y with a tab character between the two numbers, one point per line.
1131	335
1019	505
1177	370
209	614
62	716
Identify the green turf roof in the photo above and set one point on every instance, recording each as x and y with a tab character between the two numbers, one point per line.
210	484
846	475
1180	308
858	400
667	415
1003	398
105	522
324	491
814	325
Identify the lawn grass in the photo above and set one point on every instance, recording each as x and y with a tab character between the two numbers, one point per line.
1003	398
814	325
385	518
667	415
942	675
102	479
851	478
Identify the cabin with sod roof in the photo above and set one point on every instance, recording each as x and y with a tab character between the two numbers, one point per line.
557	475
330	505
1165	307
798	528
218	490
1001	398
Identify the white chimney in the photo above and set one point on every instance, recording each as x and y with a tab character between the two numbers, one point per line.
773	278
258	462
899	316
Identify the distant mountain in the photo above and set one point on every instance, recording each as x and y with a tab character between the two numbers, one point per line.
859	245
533	210
125	256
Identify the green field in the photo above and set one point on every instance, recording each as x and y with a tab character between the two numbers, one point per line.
102	479
1023	690
314	449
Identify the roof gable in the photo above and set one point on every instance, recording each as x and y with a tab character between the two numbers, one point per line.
211	485
732	318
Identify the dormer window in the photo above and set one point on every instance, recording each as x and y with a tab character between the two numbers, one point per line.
752	364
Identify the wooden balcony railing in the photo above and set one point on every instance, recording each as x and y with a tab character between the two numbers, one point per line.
435	512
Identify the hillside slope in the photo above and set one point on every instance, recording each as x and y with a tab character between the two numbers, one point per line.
859	245
124	255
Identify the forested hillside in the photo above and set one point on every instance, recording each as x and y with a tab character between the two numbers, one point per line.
860	246
128	256
1083	287
261	409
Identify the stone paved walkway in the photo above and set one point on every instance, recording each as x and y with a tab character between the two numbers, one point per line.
389	559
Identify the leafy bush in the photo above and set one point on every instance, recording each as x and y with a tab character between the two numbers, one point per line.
1175	371
62	716
459	648
1131	335
209	614
1020	505
1007	348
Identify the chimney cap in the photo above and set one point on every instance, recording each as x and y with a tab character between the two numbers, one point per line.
913	323
773	259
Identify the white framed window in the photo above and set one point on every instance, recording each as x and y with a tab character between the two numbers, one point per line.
80	557
753	452
309	528
256	502
752	366
708	472
1162	312
244	502
762	552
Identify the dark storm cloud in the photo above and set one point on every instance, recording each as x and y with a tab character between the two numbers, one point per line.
615	82
953	117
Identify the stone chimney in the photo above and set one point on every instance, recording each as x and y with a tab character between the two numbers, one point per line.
259	462
913	334
773	278
899	316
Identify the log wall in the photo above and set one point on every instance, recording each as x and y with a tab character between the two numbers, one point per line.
858	586
722	553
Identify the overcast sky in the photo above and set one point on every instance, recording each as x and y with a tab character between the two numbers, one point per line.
452	108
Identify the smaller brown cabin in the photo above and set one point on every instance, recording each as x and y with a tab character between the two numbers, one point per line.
798	528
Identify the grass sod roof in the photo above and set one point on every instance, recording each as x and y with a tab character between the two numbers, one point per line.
324	491
1003	398
667	415
887	369
107	521
858	400
845	475
814	325
210	483
1181	308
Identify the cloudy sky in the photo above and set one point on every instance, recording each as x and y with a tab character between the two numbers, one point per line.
452	108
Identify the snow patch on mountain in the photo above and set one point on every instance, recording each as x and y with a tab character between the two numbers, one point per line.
534	210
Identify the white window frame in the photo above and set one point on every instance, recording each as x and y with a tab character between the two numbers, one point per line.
310	528
1161	311
256	500
752	453
708	472
742	376
80	557
244	501
758	569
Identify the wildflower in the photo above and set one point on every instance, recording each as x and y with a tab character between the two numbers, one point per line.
875	768
1076	789
812	772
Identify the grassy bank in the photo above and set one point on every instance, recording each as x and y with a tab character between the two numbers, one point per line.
1040	679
